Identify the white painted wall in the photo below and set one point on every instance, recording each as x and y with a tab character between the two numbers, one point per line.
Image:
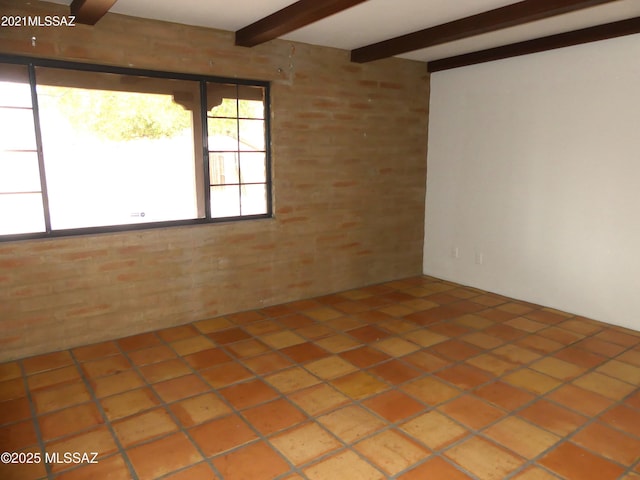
534	162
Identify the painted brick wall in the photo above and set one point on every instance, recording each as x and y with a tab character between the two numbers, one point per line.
349	164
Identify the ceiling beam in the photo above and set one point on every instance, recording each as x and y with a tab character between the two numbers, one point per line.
90	11
577	37
290	18
499	18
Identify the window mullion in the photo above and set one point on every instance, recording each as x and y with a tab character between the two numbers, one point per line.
267	148
238	151
205	148
39	148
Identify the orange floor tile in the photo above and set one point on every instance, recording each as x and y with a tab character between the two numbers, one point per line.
412	379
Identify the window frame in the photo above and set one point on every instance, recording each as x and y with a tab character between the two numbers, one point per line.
202	80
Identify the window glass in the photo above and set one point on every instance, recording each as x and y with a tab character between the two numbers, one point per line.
223	134
117	149
237	151
253	167
224	169
15	90
251	135
225	201
254	199
21	201
18	121
19	172
21	213
221	106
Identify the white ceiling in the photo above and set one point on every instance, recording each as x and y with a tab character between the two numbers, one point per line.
374	20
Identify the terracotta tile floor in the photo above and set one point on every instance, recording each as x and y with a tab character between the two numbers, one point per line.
412	379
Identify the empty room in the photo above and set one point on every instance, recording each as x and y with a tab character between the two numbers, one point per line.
319	239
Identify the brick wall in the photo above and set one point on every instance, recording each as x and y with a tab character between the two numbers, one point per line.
349	164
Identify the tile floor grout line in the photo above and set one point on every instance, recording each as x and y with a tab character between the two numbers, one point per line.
563	438
632	468
34	418
542	396
312	419
395	387
440	455
568	437
479	434
591	418
107	422
345	445
239	413
165	406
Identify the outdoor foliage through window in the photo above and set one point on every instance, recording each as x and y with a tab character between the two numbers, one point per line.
89	149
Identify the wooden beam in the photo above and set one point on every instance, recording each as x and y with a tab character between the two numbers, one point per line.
577	37
290	18
492	20
90	11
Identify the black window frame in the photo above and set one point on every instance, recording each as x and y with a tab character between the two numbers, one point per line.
32	63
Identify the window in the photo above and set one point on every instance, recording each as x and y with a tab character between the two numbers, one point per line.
21	198
237	150
87	149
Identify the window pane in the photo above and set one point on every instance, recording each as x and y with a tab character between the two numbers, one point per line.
251	101
21	207
225	201
223	168
253	167
236	129
221	100
251	135
21	213
14	86
254	199
118	149
19	172
223	134
18	130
